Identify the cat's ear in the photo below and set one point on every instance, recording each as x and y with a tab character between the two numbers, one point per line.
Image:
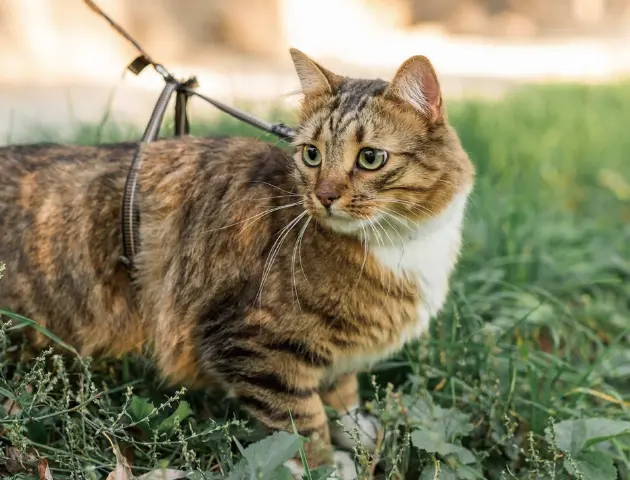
416	83
313	77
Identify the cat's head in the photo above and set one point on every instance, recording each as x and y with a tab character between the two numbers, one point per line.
373	151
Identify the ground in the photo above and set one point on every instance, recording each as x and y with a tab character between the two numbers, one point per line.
525	375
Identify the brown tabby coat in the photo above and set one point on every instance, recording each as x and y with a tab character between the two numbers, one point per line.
244	277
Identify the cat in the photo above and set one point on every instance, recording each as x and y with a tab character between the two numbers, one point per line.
273	275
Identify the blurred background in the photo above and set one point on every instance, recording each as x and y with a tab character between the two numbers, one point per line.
60	63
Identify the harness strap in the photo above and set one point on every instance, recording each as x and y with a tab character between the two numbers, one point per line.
182	125
130	212
130	217
184	92
278	129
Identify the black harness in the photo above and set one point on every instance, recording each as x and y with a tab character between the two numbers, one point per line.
130	214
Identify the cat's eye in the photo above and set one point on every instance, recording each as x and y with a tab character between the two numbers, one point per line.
311	156
371	158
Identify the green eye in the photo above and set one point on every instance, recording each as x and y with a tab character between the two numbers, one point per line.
311	156
371	158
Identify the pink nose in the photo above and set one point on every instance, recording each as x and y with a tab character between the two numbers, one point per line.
327	194
327	200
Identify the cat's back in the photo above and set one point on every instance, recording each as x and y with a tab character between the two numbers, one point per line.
16	161
50	182
32	172
60	221
41	175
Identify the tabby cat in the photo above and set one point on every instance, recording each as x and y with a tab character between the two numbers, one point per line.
275	277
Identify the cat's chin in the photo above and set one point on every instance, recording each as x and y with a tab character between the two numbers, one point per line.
345	224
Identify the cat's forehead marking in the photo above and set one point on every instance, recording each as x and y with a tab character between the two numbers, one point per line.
343	118
355	90
345	109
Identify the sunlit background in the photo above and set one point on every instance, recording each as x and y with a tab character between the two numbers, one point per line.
61	64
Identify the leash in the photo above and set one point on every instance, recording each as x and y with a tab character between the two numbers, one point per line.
183	90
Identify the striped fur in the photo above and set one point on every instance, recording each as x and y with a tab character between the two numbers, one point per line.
244	279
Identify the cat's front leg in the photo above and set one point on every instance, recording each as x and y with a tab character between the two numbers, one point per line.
280	400
343	396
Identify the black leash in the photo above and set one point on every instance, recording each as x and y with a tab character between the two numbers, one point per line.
278	129
183	90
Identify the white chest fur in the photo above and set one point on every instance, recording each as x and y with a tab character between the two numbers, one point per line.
426	253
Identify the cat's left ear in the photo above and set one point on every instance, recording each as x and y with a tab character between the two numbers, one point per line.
313	77
416	83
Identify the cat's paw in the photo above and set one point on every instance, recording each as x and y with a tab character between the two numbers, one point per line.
368	430
345	468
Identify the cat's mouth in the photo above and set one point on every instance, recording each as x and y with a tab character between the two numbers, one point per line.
340	219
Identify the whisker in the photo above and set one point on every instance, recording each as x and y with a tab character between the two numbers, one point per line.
385	232
232	203
255	217
364	242
402	220
269	198
389	277
406	203
295	250
377	235
254	221
399	265
227	205
300	248
273	186
402	243
277	244
392	227
275	248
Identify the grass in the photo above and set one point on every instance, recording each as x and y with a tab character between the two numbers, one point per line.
525	375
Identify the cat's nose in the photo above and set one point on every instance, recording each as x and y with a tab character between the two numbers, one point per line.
327	199
327	195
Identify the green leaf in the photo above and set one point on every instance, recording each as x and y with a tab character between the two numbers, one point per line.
25	400
283	473
465	456
575	435
594	464
433	442
322	473
603	429
6	393
455	423
182	412
450	423
466	472
241	471
140	408
262	459
38	327
570	435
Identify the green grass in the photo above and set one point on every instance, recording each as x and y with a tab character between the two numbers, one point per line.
525	375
